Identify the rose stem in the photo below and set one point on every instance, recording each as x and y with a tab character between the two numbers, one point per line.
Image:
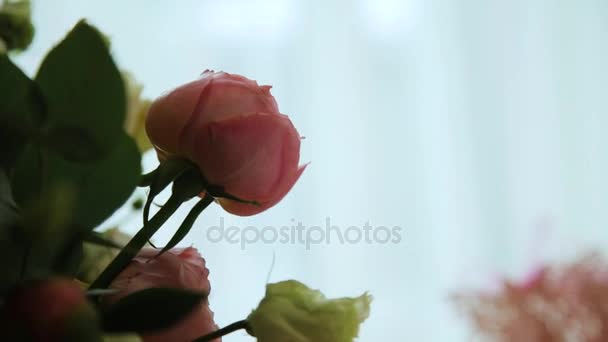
137	243
224	331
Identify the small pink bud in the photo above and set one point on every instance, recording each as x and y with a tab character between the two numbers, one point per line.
42	310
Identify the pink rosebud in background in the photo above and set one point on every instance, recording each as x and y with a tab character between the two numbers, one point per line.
232	129
177	268
49	310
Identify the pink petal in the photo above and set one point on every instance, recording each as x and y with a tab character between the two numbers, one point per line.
169	114
254	156
244	209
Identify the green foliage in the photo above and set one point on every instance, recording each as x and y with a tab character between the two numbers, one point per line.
69	161
12	249
83	88
82	143
21	110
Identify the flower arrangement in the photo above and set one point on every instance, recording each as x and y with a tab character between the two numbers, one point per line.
72	140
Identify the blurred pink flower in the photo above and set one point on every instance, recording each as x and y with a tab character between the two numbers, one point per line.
559	303
177	268
46	310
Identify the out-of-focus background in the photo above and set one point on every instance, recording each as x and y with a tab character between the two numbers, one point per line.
476	127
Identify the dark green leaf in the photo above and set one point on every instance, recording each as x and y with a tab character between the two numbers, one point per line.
27	178
83	88
21	110
99	187
103	186
45	226
49	214
12	256
8	208
67	263
73	143
151	310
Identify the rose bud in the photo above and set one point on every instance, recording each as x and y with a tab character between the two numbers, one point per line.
49	310
292	312
231	128
177	268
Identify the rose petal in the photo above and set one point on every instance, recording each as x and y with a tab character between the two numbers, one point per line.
170	113
254	156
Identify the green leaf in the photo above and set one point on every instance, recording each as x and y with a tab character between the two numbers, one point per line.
48	215
83	87
73	143
27	178
21	109
151	309
103	186
8	208
68	261
48	238
12	256
99	187
12	247
187	224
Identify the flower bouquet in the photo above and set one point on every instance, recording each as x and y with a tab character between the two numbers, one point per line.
72	139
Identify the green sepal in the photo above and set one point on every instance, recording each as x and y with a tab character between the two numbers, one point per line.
187	224
167	172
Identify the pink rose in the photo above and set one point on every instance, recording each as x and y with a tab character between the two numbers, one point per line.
43	311
177	268
232	129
